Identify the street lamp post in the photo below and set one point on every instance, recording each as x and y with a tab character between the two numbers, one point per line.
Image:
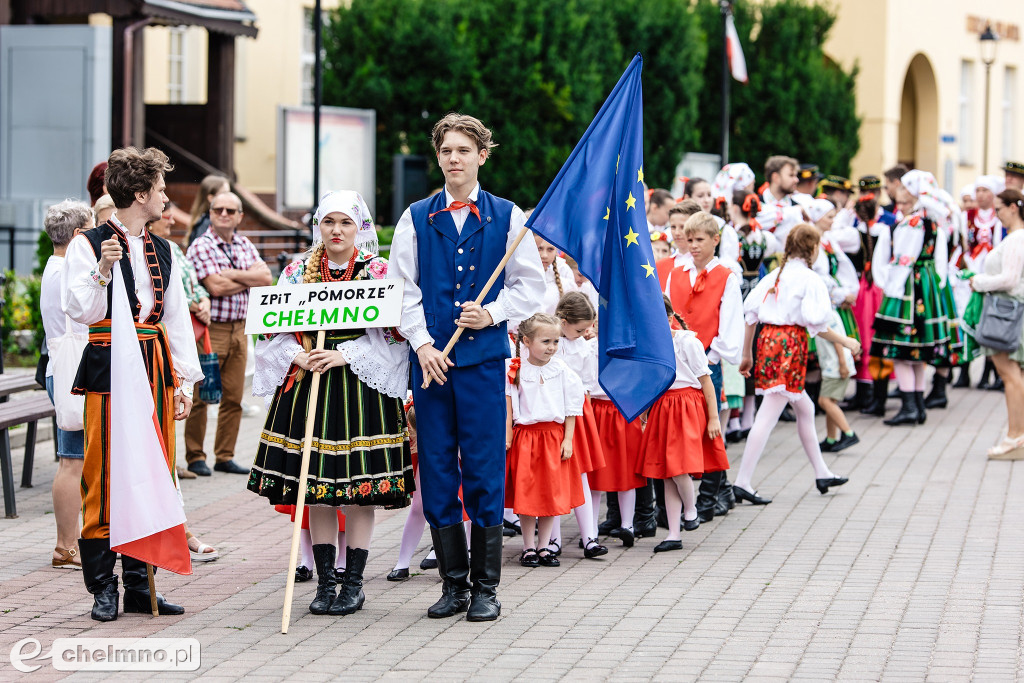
725	7
988	40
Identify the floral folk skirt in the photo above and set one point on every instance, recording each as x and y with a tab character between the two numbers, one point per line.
914	326
360	453
781	366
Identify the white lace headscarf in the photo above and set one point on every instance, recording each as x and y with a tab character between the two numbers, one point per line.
353	206
732	177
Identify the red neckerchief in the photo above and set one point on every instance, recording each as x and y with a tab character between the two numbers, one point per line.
455	206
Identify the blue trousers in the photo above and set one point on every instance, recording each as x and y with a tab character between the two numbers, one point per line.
716	382
460	431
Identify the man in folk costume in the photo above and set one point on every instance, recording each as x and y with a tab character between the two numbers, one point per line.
1014	175
445	248
117	275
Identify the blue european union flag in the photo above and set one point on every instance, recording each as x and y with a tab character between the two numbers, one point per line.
594	212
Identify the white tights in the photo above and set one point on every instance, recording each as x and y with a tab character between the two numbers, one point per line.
585	516
627	506
767	417
413	530
680	497
909	375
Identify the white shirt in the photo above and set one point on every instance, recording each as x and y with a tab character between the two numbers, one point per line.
828	353
524	275
728	343
85	300
801	299
691	363
848	282
844	233
581	356
546	393
54	320
592	295
1004	267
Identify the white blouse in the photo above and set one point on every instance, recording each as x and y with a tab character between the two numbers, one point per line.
85	300
846	281
581	356
551	294
801	299
546	393
54	319
691	363
378	359
1004	267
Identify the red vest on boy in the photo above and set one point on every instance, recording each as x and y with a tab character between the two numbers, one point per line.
664	267
699	303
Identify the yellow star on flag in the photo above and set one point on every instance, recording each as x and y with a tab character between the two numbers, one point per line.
640	175
607	212
630	201
631	237
648	268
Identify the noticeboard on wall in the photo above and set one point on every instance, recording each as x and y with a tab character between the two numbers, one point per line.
347	154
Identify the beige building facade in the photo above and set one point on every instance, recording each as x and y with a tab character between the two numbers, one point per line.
274	69
921	84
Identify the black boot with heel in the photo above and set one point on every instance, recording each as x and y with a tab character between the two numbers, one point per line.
98	562
324	555
908	413
136	590
484	573
351	598
453	566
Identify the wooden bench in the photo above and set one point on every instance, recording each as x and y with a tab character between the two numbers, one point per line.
27	408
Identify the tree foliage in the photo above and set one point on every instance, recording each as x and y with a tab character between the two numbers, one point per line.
798	102
536	72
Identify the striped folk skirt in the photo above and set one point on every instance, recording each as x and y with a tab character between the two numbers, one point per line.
360	453
914	326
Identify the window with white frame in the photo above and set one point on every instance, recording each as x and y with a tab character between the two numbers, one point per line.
1009	113
966	137
176	64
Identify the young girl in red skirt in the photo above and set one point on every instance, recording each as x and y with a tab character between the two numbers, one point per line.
544	399
577	317
790	303
683	437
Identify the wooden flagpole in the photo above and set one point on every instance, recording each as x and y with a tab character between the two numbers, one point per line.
300	499
479	299
152	590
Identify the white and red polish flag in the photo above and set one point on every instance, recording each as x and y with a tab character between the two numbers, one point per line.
737	64
147	520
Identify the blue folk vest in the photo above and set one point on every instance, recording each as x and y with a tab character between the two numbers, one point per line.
454	268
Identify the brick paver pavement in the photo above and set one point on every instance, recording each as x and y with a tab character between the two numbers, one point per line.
913	570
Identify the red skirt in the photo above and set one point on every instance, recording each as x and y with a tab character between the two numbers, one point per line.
538	482
587	453
290	511
781	360
869	299
621	444
676	438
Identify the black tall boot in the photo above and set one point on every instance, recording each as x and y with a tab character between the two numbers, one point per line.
98	562
986	373
707	495
963	381
937	396
350	597
612	520
136	590
861	399
726	498
645	523
453	566
324	555
919	401
484	573
661	514
880	394
909	413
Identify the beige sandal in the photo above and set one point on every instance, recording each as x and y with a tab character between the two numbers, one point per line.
67	560
202	552
1008	449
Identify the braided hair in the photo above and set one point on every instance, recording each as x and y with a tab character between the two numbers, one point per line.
672	312
558	276
309	276
800	243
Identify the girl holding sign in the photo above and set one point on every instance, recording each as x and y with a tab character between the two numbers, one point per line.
360	456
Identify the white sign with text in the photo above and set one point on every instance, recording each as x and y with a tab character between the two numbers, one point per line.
325	306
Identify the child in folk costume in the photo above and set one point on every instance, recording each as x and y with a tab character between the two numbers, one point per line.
790	302
677	217
699	190
544	399
706	294
683	437
911	328
360	457
660	245
982	233
582	283
579	352
837	366
874	227
558	277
